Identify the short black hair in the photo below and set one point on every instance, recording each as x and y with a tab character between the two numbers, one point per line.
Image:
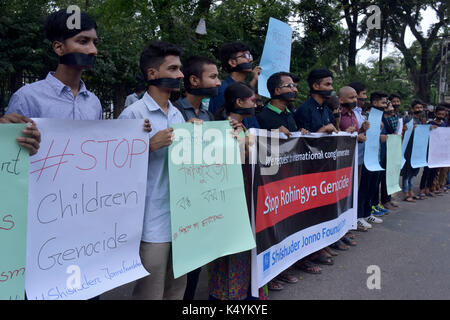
393	96
358	86
236	90
194	65
154	54
229	50
316	75
440	107
377	96
295	78
56	29
274	81
416	102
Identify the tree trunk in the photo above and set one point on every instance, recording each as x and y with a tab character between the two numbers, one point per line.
380	59
120	94
353	29
15	81
423	84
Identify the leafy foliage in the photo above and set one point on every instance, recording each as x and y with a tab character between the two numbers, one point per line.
126	26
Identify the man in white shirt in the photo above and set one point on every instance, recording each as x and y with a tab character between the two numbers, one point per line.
135	96
160	63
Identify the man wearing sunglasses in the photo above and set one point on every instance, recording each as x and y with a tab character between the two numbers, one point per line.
237	60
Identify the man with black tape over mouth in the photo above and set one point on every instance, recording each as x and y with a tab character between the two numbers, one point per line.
237	61
276	115
62	94
314	115
161	66
201	80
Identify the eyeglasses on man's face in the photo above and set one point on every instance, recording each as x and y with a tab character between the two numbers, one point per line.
246	55
289	85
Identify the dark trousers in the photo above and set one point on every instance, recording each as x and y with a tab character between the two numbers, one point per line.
428	176
191	285
384	195
368	192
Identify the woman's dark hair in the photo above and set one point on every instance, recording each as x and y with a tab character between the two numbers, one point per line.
154	54
236	90
56	25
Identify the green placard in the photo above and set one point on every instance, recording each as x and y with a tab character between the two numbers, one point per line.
14	162
209	212
393	163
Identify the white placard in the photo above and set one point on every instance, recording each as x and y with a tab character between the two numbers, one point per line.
87	188
439	150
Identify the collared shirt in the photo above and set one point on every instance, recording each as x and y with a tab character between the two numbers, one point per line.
157	226
359	116
348	119
190	111
271	117
132	98
50	98
312	116
361	145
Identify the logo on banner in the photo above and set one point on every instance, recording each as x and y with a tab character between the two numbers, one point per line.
266	261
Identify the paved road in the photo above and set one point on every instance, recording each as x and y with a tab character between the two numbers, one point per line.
411	248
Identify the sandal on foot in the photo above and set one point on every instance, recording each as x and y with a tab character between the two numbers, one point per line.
339	245
308	267
409	199
275	286
350	235
323	259
286	277
349	241
394	204
331	251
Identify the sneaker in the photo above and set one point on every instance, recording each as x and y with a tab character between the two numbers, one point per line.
362	223
376	212
373	219
382	208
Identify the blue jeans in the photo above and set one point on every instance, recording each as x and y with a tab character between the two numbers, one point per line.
407	184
